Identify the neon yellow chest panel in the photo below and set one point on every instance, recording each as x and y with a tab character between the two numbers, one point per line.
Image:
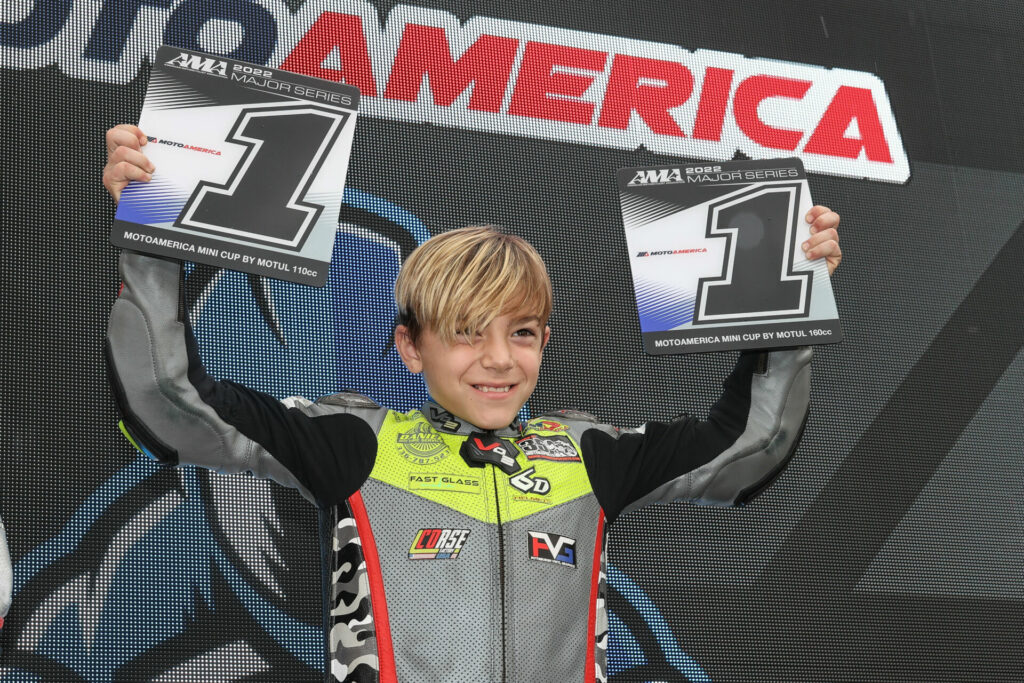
415	457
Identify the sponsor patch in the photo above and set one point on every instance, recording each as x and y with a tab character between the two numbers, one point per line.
444	419
481	448
553	448
552	548
548	426
444	482
438	544
527	482
531	498
421	445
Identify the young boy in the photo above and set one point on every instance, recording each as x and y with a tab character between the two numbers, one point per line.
467	546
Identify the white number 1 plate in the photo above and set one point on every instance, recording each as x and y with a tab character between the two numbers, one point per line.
716	257
250	167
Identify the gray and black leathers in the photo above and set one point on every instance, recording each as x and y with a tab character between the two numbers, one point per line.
441	568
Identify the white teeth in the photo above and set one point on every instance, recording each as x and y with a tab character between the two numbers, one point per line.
486	390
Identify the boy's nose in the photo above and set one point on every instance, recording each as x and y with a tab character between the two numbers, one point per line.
497	354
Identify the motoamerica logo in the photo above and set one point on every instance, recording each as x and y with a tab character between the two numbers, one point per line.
209	65
422	445
499	76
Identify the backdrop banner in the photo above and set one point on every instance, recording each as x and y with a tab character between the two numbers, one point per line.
890	549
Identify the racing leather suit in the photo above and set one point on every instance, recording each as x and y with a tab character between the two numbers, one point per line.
442	565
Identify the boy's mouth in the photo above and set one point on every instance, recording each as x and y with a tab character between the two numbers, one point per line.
493	390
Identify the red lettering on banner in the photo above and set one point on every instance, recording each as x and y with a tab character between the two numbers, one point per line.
538	80
424	51
632	92
850	104
625	93
537	545
754	90
714	98
343	32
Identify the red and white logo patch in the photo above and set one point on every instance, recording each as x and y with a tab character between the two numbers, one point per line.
438	544
552	548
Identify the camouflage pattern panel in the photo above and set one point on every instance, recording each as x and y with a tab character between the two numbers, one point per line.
350	629
601	620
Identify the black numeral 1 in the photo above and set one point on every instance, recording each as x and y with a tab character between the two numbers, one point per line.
757	278
263	198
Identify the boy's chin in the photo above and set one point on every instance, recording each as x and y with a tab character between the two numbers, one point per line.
495	423
493	419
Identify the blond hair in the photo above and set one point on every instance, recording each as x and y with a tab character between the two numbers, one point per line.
459	281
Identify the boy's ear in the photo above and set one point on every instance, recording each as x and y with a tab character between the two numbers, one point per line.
547	337
407	349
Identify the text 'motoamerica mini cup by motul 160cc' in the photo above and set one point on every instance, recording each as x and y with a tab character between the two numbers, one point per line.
715	250
250	167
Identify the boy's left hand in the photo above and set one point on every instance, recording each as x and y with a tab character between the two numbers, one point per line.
824	241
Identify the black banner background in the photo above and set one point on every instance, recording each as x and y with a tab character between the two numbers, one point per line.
889	550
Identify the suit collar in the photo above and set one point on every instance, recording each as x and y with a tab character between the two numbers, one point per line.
443	421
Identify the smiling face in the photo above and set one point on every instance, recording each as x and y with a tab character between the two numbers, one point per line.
484	380
478	365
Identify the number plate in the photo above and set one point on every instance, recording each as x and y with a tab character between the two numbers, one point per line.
716	257
250	167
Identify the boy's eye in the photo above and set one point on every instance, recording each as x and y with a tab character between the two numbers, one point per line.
525	332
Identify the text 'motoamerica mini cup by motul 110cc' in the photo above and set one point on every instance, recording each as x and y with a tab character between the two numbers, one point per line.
250	167
715	250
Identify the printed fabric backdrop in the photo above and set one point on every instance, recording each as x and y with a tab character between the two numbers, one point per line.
891	547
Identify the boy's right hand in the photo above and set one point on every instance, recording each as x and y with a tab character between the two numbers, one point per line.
125	160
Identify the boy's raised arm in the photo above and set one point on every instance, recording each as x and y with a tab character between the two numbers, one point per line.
749	436
178	414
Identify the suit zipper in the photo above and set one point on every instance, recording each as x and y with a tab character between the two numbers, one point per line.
501	568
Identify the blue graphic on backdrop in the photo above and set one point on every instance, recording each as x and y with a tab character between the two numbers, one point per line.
108	621
162	574
643	644
162	569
